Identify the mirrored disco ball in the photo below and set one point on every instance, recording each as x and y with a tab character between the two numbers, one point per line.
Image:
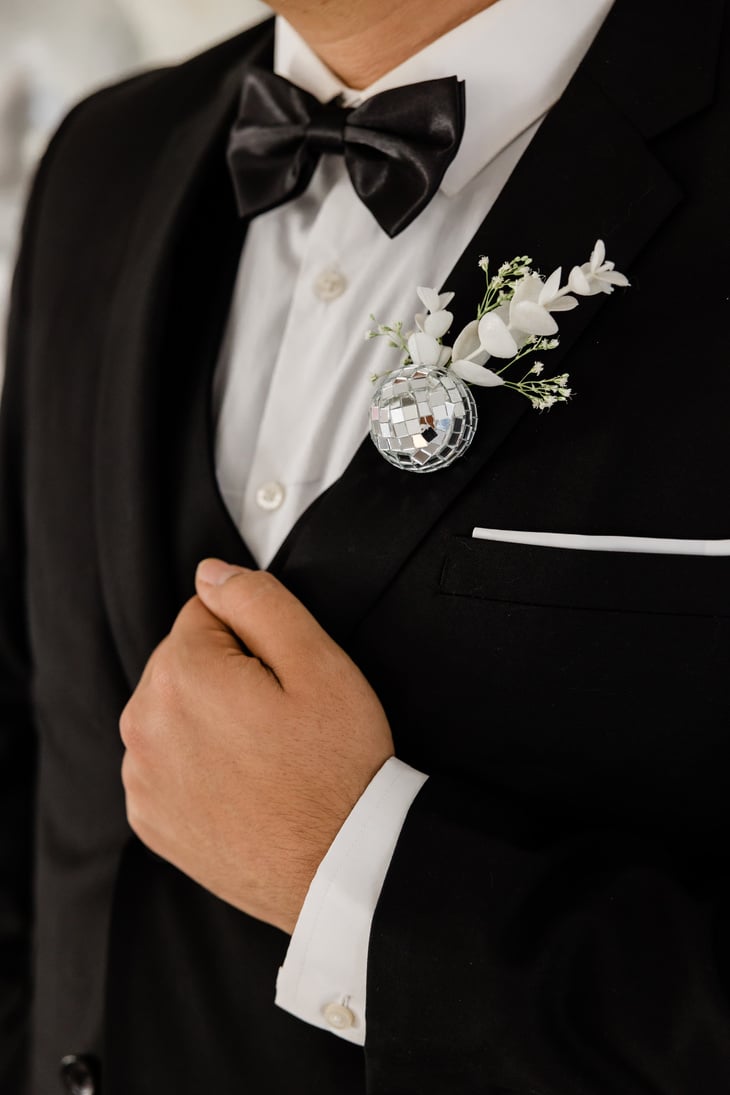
422	418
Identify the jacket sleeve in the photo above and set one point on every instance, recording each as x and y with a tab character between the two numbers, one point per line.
510	958
17	735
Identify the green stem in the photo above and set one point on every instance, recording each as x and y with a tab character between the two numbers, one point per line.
527	349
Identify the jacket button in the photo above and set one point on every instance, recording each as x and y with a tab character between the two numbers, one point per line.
77	1075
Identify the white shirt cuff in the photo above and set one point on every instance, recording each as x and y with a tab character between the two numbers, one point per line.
324	976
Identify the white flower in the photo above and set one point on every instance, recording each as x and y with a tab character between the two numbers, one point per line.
476	374
533	302
435	320
495	336
432	300
504	331
468	359
596	276
468	347
426	351
435	324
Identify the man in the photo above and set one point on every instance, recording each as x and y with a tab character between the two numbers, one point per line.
464	799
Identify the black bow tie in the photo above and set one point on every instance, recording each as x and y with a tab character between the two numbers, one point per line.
397	145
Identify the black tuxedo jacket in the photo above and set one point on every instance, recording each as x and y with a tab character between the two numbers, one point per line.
555	919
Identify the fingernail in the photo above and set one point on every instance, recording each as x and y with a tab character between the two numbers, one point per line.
214	572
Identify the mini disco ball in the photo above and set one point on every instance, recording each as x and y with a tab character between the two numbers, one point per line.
422	418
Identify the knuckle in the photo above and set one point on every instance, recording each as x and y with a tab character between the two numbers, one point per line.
128	779
165	680
129	727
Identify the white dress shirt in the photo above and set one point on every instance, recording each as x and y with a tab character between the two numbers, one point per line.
293	388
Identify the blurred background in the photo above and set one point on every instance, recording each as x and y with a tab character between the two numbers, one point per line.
52	53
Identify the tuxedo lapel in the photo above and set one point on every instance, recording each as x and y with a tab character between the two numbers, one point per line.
154	367
588	174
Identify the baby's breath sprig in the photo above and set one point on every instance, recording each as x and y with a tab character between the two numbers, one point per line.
501	286
543	394
394	332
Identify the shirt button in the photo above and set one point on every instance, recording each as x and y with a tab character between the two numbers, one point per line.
339	1017
330	284
269	496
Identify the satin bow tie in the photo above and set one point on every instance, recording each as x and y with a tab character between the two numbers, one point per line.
397	145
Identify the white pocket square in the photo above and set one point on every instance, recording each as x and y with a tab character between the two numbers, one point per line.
604	543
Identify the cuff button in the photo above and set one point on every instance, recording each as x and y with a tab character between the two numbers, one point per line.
339	1017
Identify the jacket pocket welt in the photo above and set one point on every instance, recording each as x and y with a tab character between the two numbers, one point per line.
691	585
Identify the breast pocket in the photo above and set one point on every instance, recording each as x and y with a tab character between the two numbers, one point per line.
603	676
686	585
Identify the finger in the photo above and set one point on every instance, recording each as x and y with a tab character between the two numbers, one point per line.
197	637
198	631
270	621
194	618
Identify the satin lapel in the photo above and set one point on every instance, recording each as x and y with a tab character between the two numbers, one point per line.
587	174
132	470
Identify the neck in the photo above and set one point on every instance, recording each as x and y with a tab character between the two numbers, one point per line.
362	41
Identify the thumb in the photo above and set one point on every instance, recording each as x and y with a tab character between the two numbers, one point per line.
269	620
214	572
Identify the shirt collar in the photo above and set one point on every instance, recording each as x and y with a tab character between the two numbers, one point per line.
516	58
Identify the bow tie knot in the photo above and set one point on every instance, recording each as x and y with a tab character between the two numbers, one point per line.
397	145
327	129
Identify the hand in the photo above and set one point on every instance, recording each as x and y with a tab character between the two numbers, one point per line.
249	739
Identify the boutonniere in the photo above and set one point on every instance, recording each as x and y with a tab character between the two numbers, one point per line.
423	415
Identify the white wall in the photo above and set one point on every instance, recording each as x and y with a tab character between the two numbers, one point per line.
52	52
